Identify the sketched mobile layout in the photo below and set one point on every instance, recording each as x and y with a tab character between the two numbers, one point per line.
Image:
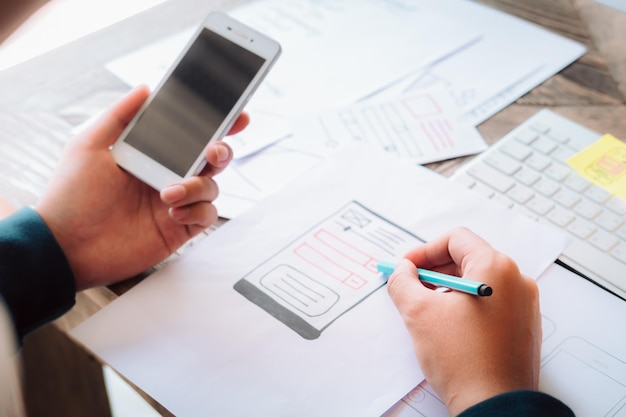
596	380
327	271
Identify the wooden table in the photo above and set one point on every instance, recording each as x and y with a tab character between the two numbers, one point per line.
591	91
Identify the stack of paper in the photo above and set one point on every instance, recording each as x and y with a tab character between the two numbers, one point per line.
413	77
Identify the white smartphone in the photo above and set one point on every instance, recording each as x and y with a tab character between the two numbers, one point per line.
197	101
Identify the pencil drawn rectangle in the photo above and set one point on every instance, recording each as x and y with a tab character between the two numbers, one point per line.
327	271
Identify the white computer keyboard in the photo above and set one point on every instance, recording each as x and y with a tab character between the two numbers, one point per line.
526	170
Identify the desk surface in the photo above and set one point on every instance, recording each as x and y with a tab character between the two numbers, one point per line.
591	91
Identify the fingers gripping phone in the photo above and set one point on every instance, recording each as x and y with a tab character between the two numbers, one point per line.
197	101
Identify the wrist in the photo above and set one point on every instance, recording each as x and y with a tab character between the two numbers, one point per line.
471	394
519	402
62	238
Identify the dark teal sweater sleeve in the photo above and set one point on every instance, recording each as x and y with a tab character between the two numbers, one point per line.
519	404
36	281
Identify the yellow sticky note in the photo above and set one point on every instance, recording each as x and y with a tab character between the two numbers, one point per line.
604	164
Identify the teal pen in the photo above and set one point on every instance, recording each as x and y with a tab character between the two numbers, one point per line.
442	280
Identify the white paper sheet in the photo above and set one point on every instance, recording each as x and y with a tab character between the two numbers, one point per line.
511	57
423	127
192	341
338	51
583	361
248	180
334	53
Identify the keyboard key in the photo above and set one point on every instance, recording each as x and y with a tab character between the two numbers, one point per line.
503	163
609	221
581	228
540	126
516	150
540	205
520	193
526	136
566	198
597	194
562	154
560	216
603	240
619	253
491	177
546	187
617	205
621	232
560	137
557	171
587	209
577	183
538	161
544	145
580	142
527	176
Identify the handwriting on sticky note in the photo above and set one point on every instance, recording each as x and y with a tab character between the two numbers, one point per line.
603	163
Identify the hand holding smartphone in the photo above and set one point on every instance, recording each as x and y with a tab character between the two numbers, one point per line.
197	101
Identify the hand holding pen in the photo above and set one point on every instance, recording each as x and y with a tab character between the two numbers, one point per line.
470	348
441	280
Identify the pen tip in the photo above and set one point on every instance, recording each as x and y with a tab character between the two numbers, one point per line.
485	290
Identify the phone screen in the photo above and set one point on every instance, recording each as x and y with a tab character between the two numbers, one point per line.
194	101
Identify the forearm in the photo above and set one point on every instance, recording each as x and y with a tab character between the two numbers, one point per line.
36	281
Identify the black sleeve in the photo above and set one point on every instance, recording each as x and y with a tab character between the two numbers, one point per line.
519	404
36	281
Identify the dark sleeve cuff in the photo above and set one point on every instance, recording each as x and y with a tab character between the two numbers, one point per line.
520	404
36	281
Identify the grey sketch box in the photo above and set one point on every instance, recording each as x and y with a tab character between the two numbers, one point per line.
326	271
